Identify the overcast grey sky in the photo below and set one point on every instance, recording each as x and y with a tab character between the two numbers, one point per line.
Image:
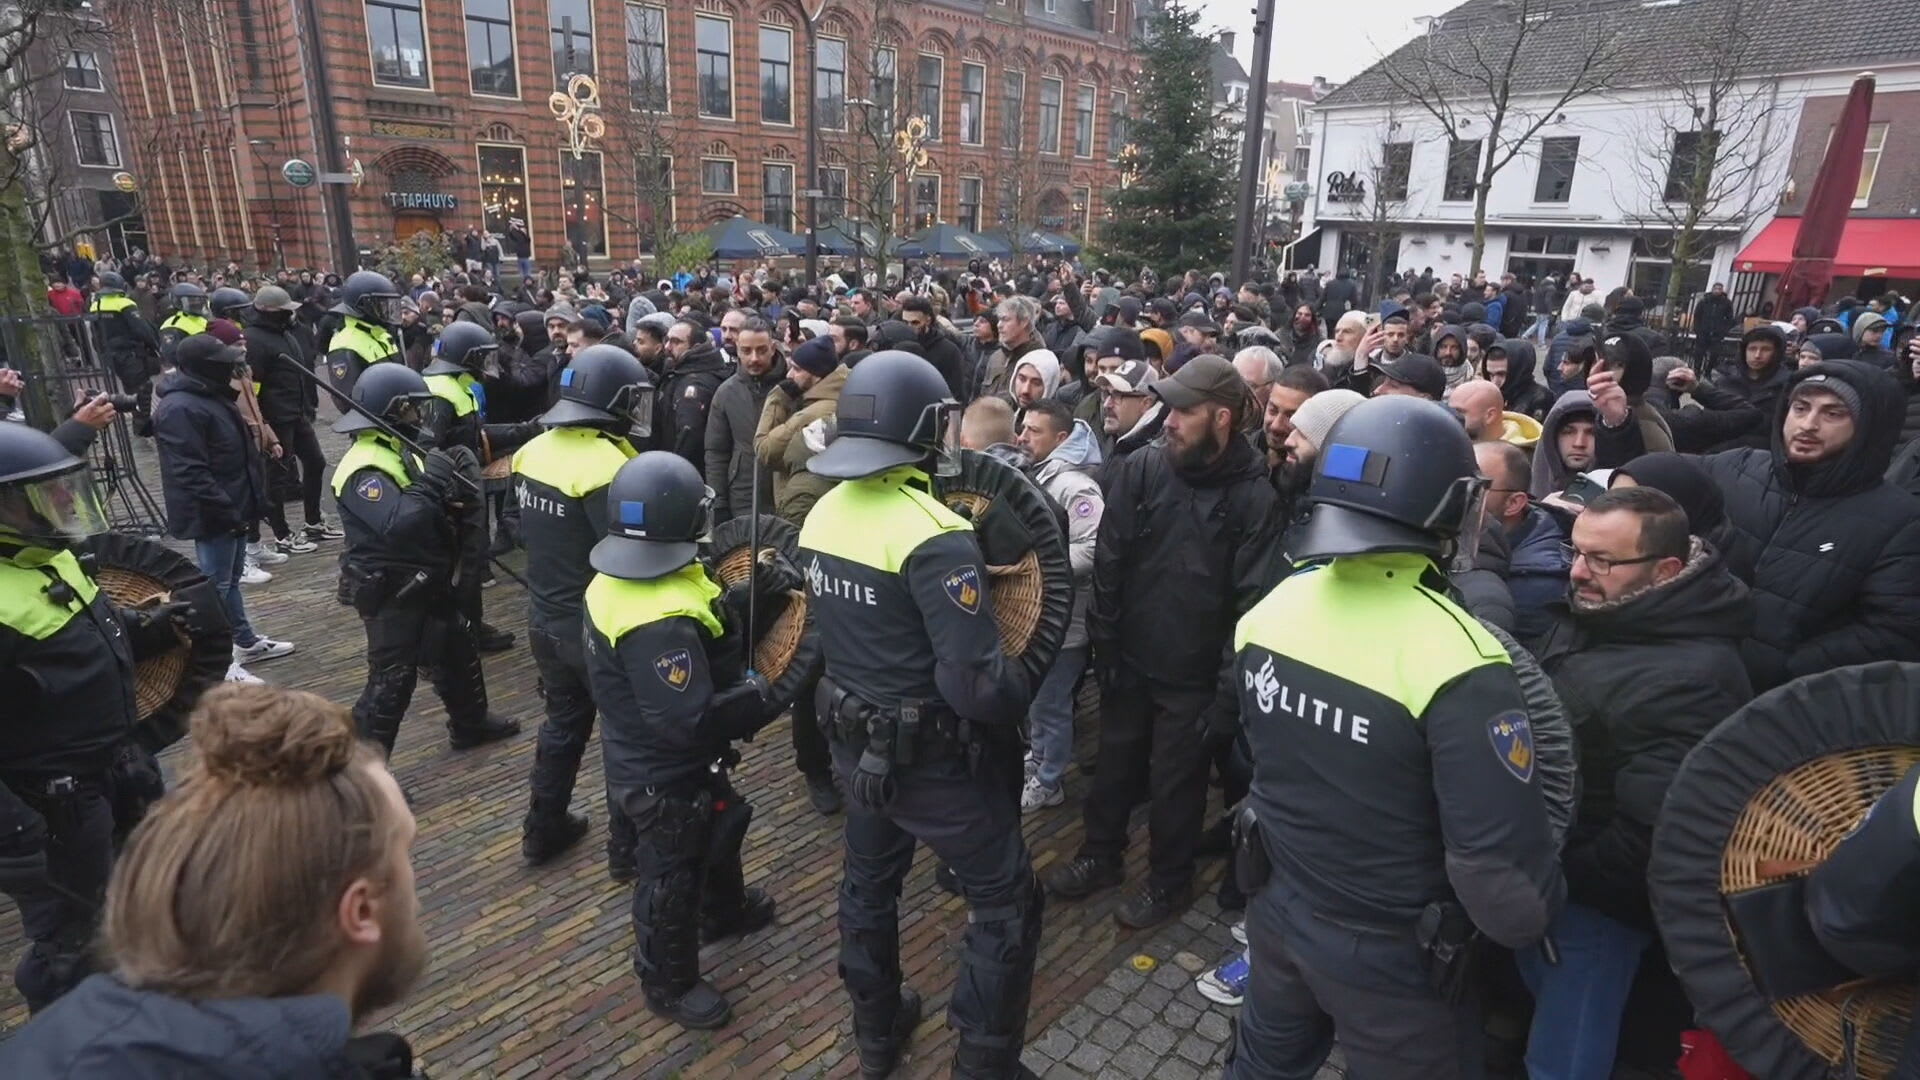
1321	37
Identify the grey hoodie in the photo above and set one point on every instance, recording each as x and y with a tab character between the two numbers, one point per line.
1067	476
1549	474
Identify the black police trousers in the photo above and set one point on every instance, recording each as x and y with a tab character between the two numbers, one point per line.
688	862
1149	746
58	912
966	816
402	638
1315	975
560	656
810	753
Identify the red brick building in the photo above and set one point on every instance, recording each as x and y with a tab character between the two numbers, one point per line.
440	107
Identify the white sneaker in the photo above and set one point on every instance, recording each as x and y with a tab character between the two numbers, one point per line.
1029	764
1226	984
1240	931
264	649
295	545
251	574
1036	795
265	555
236	673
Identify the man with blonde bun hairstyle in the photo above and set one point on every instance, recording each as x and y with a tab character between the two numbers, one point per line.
263	907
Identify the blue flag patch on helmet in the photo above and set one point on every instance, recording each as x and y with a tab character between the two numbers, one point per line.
675	668
372	489
963	588
1512	735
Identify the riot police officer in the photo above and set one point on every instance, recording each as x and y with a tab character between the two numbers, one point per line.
189	317
456	416
915	694
606	401
670	675
369	310
399	511
232	304
1395	816
67	658
132	347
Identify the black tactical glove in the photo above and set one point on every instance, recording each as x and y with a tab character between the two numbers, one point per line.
777	576
441	477
872	784
157	629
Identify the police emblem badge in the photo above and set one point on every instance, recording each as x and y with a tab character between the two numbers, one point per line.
675	668
1512	735
371	489
963	588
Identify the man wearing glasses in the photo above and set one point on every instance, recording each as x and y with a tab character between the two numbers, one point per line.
695	370
1537	563
1645	656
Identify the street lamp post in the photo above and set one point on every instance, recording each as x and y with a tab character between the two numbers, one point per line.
1255	134
812	191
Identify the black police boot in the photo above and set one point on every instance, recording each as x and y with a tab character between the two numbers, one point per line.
973	1061
492	728
1152	906
1083	877
489	638
881	1032
946	879
544	837
699	1007
824	794
755	913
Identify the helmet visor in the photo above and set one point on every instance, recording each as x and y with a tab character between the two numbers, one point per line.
383	308
1458	514
57	510
639	409
939	430
193	305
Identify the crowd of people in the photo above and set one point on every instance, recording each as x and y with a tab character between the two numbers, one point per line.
1658	538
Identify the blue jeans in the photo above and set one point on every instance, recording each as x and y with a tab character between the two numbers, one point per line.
1538	331
1577	1003
1050	717
221	559
526	269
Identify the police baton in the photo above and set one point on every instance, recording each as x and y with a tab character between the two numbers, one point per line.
346	401
753	555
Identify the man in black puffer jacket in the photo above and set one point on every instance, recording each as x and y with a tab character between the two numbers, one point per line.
1758	377
1646	659
1831	549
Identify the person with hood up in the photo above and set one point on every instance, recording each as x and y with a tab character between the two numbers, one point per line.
1450	349
1509	364
1682	478
1759	380
1300	337
1869	336
1066	456
1567	451
1035	376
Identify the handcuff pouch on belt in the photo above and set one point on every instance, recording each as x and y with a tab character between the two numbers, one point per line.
1452	945
1252	866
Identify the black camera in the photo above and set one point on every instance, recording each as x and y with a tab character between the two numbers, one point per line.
123	403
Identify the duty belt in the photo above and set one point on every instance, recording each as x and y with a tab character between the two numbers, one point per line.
916	729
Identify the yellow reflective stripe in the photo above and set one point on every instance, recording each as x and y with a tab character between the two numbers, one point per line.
572	461
452	389
372	451
112	303
1333	618
24	604
617	607
369	343
188	324
878	521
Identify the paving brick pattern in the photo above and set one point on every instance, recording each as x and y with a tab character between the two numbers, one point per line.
531	976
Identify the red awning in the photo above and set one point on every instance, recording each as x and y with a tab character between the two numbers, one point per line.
1868	247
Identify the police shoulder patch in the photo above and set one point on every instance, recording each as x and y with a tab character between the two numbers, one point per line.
963	588
675	668
1512	736
372	489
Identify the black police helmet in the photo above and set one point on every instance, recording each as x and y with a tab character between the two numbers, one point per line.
382	389
189	298
230	303
112	282
206	357
892	412
370	296
658	508
463	348
1395	473
46	496
601	385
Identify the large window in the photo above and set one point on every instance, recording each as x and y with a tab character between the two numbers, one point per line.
776	75
653	180
1083	121
1396	167
1558	156
572	24
833	193
926	203
830	84
1869	162
1013	104
647	56
503	187
1050	91
926	92
970	203
584	196
1463	170
776	196
1690	148
398	43
716	176
490	48
1118	120
82	71
973	103
93	140
886	88
713	42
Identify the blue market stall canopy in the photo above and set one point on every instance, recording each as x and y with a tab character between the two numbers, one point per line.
744	238
847	237
1037	242
953	242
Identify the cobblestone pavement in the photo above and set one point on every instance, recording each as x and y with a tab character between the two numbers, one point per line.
531	977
